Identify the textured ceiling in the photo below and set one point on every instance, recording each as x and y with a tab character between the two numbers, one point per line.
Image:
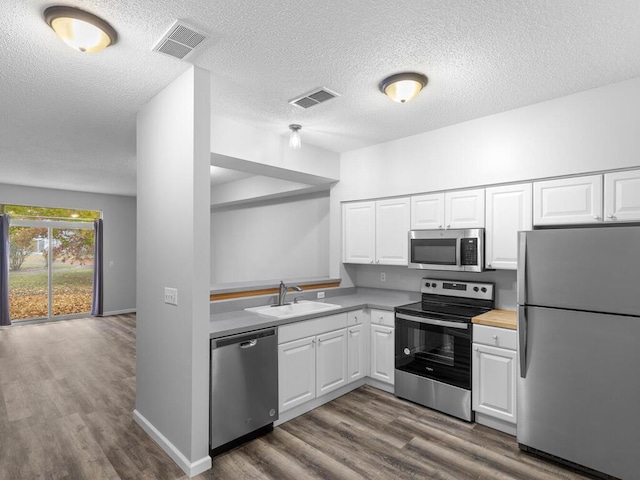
68	119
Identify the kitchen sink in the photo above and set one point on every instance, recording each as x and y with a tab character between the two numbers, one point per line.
293	309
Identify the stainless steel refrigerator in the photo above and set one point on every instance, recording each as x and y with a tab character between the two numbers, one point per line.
579	347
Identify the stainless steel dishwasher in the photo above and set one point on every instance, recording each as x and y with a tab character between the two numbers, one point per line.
244	387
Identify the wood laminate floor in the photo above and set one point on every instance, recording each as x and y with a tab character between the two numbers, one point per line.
68	392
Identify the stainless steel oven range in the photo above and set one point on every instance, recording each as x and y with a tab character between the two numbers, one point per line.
433	344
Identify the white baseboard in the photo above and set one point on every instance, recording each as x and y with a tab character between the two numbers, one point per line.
119	312
317	402
496	423
372	382
189	468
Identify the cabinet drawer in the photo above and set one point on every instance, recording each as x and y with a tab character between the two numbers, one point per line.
495	336
355	317
383	317
309	328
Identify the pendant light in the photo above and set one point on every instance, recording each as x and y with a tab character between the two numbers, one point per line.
294	137
80	30
402	87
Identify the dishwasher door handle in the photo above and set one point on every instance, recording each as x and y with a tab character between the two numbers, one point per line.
249	344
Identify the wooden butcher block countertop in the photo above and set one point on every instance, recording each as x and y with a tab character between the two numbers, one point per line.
497	318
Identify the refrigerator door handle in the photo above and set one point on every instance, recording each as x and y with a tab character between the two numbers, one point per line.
522	265
522	339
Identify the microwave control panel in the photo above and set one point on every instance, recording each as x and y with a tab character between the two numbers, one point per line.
469	251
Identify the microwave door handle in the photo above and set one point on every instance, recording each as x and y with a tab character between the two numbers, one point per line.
459	253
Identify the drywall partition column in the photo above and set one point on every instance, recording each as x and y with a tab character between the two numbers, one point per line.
172	382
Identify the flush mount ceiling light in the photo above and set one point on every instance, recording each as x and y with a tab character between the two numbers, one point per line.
80	30
402	87
294	137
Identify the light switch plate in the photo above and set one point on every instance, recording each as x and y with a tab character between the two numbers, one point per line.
171	296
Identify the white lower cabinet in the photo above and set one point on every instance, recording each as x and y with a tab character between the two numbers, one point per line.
495	366
357	352
324	355
296	372
331	361
382	353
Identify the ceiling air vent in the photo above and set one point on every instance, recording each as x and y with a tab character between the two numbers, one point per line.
315	97
180	40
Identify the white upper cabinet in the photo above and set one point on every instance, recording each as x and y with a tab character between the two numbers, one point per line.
392	229
508	212
458	209
376	231
358	230
622	196
464	209
427	212
568	201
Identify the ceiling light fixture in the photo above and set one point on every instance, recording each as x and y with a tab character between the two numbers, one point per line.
80	30
294	138
402	87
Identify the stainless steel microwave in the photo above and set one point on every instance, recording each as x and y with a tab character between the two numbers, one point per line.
457	250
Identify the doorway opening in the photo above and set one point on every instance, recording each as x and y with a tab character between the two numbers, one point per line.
51	262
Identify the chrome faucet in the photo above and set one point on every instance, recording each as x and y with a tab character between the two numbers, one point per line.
283	292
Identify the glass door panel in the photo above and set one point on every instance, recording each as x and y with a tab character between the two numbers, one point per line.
71	270
28	273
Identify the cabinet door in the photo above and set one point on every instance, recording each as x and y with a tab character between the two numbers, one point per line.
296	372
382	349
464	209
568	201
508	212
357	352
427	212
622	196
494	382
331	361
359	232
392	231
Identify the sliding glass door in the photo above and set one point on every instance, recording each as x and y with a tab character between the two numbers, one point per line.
51	269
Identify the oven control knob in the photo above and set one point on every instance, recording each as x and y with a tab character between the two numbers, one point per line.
407	351
427	284
434	285
475	289
483	289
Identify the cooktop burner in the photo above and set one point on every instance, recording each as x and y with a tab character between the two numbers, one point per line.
451	300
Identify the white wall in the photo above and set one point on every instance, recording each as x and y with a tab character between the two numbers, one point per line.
279	239
172	380
588	131
119	214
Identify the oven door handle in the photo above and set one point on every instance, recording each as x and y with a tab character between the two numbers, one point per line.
432	321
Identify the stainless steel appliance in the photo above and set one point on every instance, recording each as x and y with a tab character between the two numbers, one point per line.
433	344
458	250
579	347
244	387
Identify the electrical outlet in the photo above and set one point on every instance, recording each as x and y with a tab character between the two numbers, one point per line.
171	296
320	294
383	277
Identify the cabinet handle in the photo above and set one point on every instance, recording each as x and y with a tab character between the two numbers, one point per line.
495	337
377	261
449	226
596	217
488	265
371	261
352	332
440	227
476	349
611	216
389	332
